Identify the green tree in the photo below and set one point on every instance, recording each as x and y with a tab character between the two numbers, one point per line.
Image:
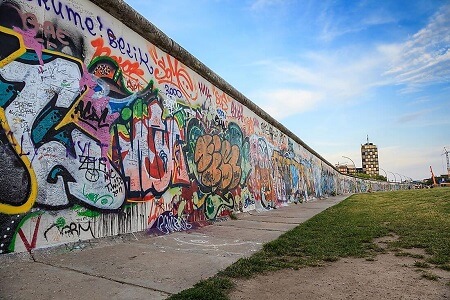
367	176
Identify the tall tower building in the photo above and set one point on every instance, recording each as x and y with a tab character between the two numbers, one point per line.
369	154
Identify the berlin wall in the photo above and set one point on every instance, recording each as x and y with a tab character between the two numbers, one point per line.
109	127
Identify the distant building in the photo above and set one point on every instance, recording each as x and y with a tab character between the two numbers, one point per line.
351	169
346	169
369	154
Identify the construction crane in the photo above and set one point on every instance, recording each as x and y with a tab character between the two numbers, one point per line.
432	176
448	162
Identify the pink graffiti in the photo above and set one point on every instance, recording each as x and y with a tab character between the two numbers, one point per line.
31	42
88	83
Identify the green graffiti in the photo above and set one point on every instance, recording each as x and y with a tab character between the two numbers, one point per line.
24	219
60	222
234	134
140	109
126	113
85	212
93	197
215	203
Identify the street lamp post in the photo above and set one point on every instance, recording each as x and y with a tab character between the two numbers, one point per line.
395	178
385	174
351	161
407	178
387	179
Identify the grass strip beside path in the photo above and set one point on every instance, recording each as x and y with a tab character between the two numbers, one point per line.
421	219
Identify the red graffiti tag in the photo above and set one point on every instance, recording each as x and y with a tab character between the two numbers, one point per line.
25	241
129	68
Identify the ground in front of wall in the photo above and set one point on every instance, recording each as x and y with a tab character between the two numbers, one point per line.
386	276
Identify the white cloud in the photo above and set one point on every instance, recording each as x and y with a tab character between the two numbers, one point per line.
378	17
325	77
336	24
421	100
282	103
330	33
413	163
410	117
348	73
425	57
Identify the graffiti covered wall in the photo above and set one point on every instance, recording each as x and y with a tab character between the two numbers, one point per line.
103	132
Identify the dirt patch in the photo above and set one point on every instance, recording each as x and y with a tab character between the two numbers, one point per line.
386	277
384	241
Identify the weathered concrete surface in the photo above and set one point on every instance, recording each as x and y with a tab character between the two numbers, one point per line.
30	280
146	267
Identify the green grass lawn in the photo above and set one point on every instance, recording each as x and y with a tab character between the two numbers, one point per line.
421	219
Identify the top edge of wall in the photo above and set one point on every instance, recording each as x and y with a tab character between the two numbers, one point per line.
127	15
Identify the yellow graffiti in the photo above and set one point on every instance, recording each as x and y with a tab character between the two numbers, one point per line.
18	52
71	117
25	207
12	209
281	161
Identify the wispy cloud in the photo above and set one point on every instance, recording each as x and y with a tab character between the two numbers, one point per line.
429	117
282	103
333	25
437	123
413	163
320	77
378	17
424	58
336	23
330	33
421	100
346	74
407	118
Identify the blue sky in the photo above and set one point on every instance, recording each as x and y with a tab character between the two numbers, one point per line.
332	72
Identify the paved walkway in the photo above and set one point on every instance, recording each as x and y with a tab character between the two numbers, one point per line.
138	266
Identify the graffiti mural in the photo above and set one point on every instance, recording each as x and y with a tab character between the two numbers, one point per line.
103	133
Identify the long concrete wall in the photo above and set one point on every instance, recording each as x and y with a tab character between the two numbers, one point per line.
109	127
